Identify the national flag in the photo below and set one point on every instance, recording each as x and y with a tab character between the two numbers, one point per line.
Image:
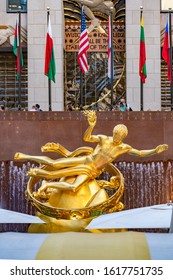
17	50
109	48
142	58
83	45
166	50
50	67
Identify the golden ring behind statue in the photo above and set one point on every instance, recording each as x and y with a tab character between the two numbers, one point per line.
111	204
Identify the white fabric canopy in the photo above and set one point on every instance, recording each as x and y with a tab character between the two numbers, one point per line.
157	216
25	246
11	217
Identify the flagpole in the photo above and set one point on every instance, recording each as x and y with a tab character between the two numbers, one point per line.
112	57
19	50
81	91
171	76
141	83
142	90
81	80
49	80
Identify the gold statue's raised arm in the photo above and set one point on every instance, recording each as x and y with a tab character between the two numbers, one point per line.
92	119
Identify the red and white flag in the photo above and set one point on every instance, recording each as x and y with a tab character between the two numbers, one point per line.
83	45
17	50
50	67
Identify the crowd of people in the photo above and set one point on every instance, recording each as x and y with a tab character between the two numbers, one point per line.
120	106
35	108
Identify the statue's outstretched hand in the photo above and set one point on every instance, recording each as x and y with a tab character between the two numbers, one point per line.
161	148
91	116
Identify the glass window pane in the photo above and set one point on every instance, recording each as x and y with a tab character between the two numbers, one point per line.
166	5
16	5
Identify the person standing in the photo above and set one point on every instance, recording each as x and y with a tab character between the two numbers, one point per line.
33	108
37	108
123	106
2	108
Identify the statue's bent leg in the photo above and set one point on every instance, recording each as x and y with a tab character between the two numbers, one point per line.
80	180
39	159
63	172
41	173
59	163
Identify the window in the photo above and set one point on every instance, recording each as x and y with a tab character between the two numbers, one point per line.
14	6
166	5
9	85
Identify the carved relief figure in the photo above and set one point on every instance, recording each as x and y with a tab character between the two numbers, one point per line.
105	7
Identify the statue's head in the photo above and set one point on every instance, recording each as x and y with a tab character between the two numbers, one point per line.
120	131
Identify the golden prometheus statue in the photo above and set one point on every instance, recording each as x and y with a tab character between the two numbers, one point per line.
67	191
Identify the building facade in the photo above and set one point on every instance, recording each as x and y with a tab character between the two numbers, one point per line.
35	24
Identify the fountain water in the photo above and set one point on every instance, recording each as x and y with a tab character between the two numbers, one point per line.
146	184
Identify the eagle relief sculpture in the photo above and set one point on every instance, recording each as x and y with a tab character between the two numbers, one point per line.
100	6
71	192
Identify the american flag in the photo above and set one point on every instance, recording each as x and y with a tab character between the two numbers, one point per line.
83	45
